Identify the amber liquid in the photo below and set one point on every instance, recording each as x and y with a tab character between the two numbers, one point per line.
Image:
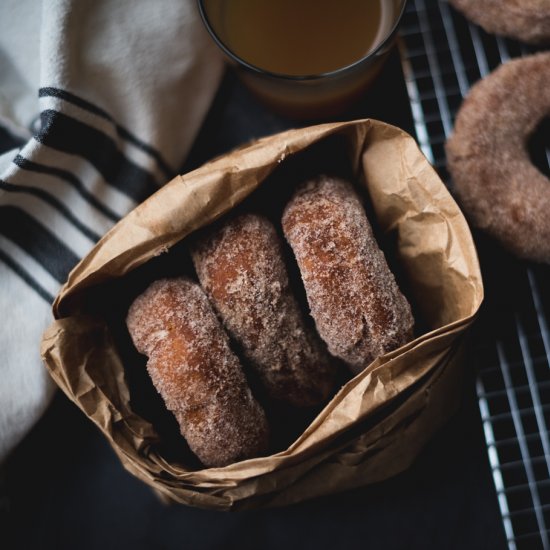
300	37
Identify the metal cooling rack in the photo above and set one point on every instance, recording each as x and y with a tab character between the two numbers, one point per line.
442	56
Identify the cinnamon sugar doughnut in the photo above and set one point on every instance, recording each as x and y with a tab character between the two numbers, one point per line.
241	268
526	20
358	308
196	373
500	189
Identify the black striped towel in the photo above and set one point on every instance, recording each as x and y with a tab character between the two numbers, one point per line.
99	104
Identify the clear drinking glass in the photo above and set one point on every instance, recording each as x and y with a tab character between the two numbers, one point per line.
307	95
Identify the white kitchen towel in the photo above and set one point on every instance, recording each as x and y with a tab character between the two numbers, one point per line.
101	101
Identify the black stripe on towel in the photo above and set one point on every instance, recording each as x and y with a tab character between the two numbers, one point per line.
26	276
37	241
52	201
123	132
67	134
71	179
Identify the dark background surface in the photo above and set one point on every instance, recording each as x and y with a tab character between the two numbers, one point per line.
63	487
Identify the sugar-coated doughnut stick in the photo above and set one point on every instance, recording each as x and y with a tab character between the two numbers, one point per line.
241	267
198	376
358	308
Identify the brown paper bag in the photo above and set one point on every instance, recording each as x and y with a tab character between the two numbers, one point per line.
377	423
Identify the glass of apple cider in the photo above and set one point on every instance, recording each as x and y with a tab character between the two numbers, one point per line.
305	58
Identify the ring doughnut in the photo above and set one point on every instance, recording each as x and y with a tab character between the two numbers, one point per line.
241	268
525	20
500	189
196	373
354	299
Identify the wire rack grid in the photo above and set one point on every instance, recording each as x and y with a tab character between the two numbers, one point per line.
442	55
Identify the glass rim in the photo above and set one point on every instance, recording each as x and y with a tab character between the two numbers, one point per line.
291	77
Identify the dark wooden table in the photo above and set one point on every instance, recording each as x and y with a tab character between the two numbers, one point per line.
63	487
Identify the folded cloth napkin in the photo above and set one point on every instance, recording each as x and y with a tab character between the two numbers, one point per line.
101	102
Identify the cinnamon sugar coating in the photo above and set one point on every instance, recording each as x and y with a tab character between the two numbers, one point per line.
196	373
496	183
241	268
357	306
526	20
